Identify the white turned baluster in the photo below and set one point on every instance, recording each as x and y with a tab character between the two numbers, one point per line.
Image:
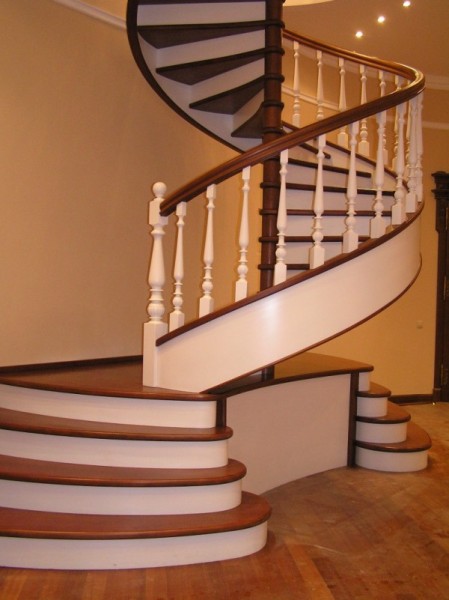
320	88
155	327
398	209
398	82
317	252
296	87
382	88
419	150
206	301
177	316
350	236
280	269
241	286
377	224
411	198
363	144
342	138
156	276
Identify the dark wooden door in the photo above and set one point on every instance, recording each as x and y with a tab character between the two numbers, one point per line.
441	379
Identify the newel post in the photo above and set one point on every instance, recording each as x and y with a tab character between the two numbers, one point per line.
155	326
271	129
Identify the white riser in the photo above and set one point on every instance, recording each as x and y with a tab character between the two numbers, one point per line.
224	12
26	553
302	225
371	407
85	499
298	252
216	48
388	433
130	411
119	453
394	462
221	83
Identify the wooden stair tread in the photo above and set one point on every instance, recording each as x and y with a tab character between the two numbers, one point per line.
333	212
417	440
114	377
37	423
165	36
41	471
309	187
395	414
230	101
194	72
375	391
330	168
36	524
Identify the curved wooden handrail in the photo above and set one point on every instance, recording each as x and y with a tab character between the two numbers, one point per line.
263	152
369	61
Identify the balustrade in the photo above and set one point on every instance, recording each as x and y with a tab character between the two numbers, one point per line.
352	134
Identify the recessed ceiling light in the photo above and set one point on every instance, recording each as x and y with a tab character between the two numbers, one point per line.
359	34
406	3
381	19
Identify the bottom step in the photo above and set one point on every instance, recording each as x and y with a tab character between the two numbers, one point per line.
40	540
401	457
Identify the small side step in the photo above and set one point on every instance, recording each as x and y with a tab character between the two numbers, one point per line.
405	456
42	540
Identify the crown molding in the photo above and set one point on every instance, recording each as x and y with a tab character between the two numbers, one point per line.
93	11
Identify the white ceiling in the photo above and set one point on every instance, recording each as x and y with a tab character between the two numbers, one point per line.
417	36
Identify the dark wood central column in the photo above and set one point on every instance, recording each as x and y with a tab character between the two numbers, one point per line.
271	129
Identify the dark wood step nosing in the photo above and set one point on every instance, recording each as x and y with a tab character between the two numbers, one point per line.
375	391
253	511
310	187
195	72
39	471
42	424
296	162
417	441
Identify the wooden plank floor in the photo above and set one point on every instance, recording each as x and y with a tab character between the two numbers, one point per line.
341	535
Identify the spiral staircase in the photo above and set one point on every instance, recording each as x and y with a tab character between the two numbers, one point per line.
106	466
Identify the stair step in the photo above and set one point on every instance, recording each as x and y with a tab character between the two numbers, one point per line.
390	427
40	471
417	440
336	189
251	128
166	36
192	73
329	168
37	539
394	414
43	424
30	484
375	391
30	435
400	457
230	101
28	524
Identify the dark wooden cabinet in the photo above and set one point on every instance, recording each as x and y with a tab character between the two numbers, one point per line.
441	379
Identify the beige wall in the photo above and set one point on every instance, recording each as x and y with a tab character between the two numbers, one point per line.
83	140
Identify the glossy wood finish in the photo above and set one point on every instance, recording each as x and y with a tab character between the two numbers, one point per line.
35	423
40	471
35	524
348	534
